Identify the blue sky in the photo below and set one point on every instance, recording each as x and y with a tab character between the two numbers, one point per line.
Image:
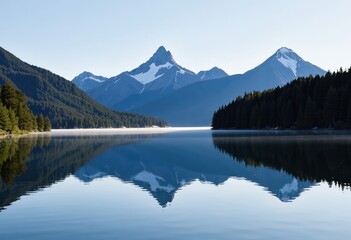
107	37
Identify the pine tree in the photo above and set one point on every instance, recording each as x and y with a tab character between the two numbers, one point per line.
11	97
300	121
5	123
13	121
310	114
330	107
47	124
25	118
40	123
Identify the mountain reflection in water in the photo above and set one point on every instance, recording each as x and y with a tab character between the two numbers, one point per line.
162	164
31	163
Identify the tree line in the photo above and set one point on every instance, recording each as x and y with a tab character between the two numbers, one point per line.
15	115
305	103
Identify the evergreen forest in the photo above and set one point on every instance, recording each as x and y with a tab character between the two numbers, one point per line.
319	102
15	115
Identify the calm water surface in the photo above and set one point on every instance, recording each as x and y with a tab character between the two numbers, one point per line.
180	185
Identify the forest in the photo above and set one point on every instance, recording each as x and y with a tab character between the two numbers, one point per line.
319	102
15	115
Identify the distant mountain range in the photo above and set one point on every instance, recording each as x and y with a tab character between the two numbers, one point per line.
157	77
162	88
65	104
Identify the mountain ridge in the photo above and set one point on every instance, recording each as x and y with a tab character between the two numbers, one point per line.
66	105
195	104
158	76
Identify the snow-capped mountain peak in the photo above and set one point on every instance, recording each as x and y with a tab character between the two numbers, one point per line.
162	67
284	50
289	59
153	73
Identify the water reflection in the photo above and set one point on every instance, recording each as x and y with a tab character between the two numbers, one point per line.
162	164
166	164
306	157
31	163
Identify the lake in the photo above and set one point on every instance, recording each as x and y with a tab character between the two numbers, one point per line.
196	184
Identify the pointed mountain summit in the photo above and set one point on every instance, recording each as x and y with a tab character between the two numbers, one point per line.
162	69
162	56
282	67
87	81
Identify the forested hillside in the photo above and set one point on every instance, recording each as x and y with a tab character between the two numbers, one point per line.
312	102
65	104
15	115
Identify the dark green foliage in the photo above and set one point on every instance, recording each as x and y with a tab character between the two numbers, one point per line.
318	160
40	122
47	124
37	162
60	100
12	158
312	102
5	123
14	121
15	115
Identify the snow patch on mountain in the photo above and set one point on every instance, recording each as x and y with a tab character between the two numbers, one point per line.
92	78
152	180
288	62
288	189
181	71
151	74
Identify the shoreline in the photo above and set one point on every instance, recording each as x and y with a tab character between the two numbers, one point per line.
118	131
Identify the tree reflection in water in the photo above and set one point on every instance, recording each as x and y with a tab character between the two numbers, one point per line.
312	158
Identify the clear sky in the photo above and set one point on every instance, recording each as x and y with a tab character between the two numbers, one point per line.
107	37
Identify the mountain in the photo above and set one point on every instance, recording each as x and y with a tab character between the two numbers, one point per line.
65	104
86	81
213	73
155	78
282	67
162	72
116	89
195	104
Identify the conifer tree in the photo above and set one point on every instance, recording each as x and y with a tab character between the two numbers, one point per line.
40	123
5	123
47	124
13	120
